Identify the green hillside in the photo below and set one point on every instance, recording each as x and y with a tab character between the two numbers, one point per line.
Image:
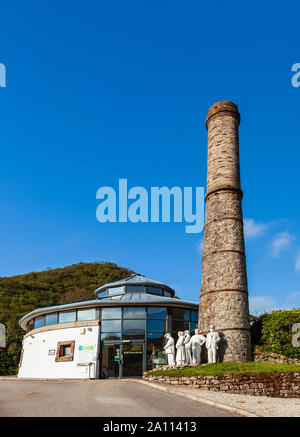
24	293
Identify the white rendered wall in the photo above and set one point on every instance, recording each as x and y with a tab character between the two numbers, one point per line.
36	362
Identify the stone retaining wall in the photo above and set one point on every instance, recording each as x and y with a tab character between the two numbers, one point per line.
284	385
260	356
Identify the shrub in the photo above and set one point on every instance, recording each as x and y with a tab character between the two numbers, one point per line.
273	332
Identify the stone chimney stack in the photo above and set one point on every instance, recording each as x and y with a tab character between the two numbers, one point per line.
224	294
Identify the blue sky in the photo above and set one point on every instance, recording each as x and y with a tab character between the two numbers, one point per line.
99	91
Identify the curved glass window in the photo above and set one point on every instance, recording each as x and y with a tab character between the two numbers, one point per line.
111	325
68	316
194	316
111	336
167	293
135	288
86	315
133	335
51	319
180	325
155	335
155	325
111	313
134	313
133	325
155	290
184	320
157	313
38	322
187	315
193	326
155	353
115	290
102	294
179	313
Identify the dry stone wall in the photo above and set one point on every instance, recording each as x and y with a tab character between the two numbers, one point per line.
284	385
261	356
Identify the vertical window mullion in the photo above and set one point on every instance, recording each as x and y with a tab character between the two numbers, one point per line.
121	324
98	313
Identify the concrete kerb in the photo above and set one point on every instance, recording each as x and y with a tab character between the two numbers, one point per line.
192	397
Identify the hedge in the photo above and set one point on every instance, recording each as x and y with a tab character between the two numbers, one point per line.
273	332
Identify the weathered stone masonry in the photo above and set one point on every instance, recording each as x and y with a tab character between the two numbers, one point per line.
284	385
224	294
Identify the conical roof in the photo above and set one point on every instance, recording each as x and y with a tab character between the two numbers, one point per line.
135	280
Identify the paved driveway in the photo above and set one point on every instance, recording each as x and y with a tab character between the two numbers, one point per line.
99	398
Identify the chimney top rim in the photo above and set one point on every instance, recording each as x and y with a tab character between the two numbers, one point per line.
223	106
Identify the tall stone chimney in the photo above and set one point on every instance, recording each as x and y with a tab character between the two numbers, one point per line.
224	294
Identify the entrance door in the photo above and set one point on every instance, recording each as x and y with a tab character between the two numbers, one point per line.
110	361
132	360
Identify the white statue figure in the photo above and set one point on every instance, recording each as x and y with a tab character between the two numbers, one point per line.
180	356
212	340
170	350
187	347
197	341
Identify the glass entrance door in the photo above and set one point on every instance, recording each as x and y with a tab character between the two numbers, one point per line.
110	361
132	360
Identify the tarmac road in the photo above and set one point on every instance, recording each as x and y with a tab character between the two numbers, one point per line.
96	398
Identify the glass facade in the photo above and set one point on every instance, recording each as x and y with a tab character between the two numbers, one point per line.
127	319
51	319
111	336
115	290
183	320
131	328
135	289
38	322
135	332
156	325
134	312
155	290
134	325
137	321
151	289
68	316
157	313
111	313
194	316
111	326
139	325
83	315
62	317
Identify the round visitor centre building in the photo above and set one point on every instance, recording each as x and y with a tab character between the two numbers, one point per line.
118	334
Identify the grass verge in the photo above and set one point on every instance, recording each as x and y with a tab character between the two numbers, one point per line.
229	368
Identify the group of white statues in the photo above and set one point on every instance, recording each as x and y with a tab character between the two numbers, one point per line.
188	348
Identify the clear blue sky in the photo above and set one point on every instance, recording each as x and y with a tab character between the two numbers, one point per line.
98	91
